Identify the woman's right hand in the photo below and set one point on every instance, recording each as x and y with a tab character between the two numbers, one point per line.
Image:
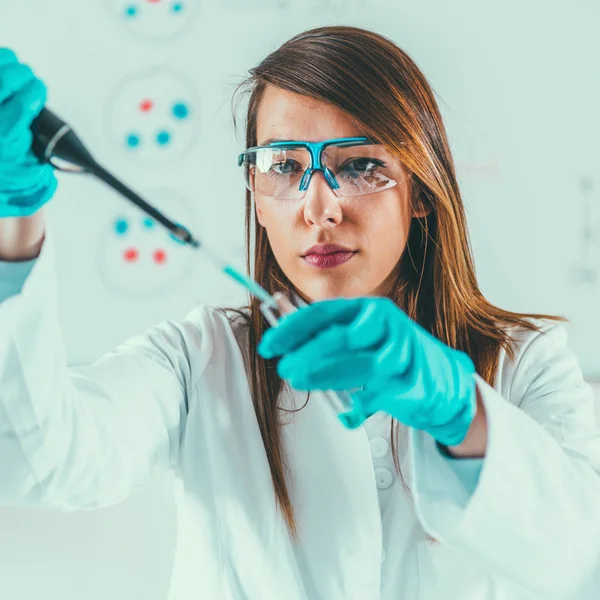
25	183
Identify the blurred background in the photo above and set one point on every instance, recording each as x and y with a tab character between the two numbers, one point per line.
148	86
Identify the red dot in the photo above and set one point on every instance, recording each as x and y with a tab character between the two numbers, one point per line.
130	255
153	1
146	105
160	256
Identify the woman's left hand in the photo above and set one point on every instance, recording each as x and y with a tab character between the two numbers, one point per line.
369	342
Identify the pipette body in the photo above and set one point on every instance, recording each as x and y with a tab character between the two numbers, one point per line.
56	143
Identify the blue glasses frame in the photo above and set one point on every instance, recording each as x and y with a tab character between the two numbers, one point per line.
316	151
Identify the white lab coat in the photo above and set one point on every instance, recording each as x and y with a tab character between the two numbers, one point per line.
177	398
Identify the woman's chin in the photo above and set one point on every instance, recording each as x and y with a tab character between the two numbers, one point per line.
320	292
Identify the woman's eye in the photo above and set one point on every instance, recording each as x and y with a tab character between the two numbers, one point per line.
284	168
362	164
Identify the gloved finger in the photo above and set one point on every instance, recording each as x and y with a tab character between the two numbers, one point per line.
23	176
14	77
23	204
366	401
17	114
7	57
340	372
366	332
406	409
17	149
296	328
332	341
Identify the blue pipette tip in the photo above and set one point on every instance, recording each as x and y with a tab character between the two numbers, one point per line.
252	286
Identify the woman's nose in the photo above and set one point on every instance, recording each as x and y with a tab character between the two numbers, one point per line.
321	205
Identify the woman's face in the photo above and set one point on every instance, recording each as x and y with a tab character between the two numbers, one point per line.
374	227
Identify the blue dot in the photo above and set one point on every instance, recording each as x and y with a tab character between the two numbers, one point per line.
163	138
131	11
148	223
121	226
180	110
177	7
133	140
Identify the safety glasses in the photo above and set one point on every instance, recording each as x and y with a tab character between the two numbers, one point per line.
354	166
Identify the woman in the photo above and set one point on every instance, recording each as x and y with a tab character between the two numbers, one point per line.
276	499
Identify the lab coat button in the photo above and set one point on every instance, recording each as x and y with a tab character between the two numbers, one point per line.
383	478
379	447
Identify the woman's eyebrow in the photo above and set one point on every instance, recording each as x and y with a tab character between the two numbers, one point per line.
271	140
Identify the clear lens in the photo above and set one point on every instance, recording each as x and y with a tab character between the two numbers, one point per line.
362	170
276	173
359	170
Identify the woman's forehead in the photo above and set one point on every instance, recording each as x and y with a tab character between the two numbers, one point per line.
284	115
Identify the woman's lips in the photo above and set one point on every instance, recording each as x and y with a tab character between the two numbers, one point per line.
326	261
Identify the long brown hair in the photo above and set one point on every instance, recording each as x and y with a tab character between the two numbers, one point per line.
379	86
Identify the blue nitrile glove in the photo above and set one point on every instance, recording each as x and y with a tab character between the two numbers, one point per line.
25	183
344	344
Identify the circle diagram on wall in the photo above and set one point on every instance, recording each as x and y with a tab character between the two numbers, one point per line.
153	114
138	256
156	19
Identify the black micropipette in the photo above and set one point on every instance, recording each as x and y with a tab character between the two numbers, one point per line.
56	143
